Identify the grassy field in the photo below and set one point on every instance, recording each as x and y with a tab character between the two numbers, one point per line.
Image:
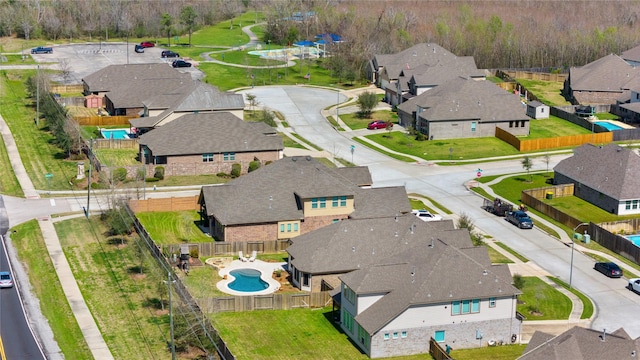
37	152
549	92
540	301
8	182
552	127
173	227
119	295
118	157
354	122
32	251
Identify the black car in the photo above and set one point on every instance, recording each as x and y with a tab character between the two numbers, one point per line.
139	48
181	63
170	54
609	268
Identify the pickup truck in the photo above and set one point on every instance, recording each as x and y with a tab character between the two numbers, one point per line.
520	219
42	50
634	285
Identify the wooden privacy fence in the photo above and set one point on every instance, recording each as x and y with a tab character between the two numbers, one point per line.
66	89
104	120
616	243
530	75
437	351
552	143
183	203
115	144
218	248
533	199
265	302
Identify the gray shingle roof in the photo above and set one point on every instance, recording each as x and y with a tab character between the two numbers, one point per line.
382	202
611	169
464	98
120	77
609	73
419	274
632	54
272	192
580	343
208	133
421	54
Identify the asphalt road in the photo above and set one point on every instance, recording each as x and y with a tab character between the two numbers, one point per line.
446	185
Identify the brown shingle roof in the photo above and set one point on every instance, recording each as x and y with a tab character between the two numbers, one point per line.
611	169
609	73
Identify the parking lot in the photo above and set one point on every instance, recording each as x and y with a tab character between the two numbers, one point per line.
85	59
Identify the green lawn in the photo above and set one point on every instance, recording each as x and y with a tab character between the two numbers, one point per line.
497	257
8	182
122	299
354	122
553	127
461	149
549	92
173	227
511	188
587	310
32	252
512	252
117	157
39	155
540	301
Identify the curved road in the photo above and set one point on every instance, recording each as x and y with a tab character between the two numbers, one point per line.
302	108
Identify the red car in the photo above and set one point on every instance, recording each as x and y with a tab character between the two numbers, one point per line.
147	44
378	124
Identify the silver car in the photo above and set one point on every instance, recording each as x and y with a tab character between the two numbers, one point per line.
5	279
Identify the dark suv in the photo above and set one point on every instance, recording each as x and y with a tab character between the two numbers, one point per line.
170	54
180	63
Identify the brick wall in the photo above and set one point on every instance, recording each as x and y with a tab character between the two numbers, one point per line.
259	232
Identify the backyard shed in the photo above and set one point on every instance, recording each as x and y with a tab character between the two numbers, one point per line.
537	110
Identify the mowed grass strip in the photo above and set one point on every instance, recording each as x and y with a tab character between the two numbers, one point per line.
117	294
32	251
35	145
9	184
540	301
174	227
355	122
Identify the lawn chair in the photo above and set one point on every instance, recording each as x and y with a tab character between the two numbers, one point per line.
241	256
253	256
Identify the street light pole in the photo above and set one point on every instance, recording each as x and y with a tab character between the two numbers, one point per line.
572	247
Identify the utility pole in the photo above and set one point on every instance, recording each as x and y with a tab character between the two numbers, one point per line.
173	344
37	95
89	178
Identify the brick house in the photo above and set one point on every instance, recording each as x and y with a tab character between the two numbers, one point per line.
291	197
209	143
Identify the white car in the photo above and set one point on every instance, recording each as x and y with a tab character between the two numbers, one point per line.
634	285
5	279
424	215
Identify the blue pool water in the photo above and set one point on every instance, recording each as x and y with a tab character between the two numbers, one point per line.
117	134
609	126
247	280
635	239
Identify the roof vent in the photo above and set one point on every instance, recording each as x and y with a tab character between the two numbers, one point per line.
353	249
633	353
432	242
484	272
395	234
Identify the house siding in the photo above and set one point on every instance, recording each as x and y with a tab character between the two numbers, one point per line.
436	130
460	335
189	165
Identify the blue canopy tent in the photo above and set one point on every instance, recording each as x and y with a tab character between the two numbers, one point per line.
304	43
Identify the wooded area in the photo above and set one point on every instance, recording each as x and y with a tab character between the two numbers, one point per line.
498	34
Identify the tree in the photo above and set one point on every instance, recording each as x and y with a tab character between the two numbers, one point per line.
188	19
119	221
547	160
465	222
527	164
253	102
367	101
167	25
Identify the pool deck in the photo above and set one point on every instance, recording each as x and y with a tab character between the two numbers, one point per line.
266	268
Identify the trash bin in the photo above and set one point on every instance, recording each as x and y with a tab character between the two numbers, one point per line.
549	195
587	238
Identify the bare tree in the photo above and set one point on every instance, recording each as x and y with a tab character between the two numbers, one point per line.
527	164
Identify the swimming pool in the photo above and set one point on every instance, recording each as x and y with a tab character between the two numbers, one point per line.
635	239
609	126
117	134
247	280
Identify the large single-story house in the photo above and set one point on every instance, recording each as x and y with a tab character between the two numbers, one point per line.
294	196
125	87
465	108
418	69
606	176
604	81
209	143
193	97
579	343
403	281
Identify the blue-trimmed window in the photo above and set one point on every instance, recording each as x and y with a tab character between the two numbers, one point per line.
439	336
475	305
334	201
343	201
288	227
229	156
207	157
465	307
473	126
386	336
314	203
281	228
492	302
455	308
295	227
403	334
323	202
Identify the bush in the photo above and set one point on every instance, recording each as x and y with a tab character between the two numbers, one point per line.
518	281
420	136
159	172
254	165
236	169
194	253
119	174
98	186
151	179
223	175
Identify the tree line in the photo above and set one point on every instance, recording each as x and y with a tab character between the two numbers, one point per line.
498	34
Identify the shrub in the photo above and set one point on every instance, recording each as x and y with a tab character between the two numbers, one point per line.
151	179
518	281
223	175
119	174
254	165
194	253
98	186
420	136
159	172
236	169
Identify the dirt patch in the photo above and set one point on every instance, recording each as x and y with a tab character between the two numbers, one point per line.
285	282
